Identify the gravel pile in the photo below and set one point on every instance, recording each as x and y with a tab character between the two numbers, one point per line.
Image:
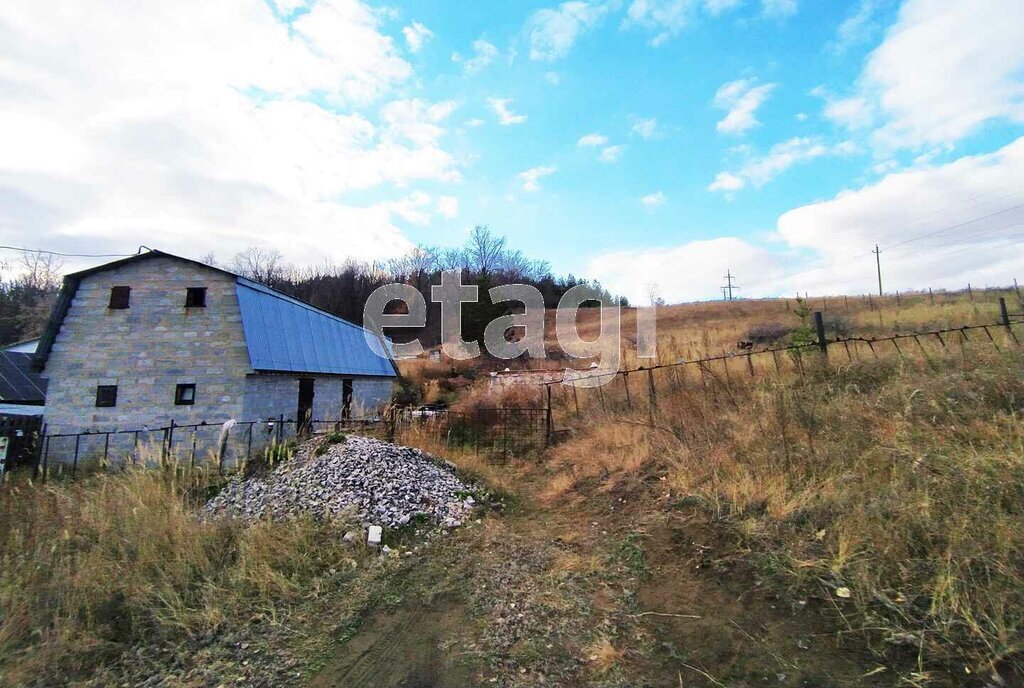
376	482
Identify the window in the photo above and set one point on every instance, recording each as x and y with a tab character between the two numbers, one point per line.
185	395
119	297
106	396
195	297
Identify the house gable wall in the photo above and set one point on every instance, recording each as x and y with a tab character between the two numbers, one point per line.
148	349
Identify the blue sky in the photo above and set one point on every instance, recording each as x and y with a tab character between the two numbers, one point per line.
652	144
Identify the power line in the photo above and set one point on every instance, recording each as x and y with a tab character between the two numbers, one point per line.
959	224
70	255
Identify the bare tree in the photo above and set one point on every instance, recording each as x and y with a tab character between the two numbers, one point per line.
262	265
485	251
41	271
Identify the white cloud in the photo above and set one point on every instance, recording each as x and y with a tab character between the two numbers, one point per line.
853	113
415	120
501	107
741	99
858	26
943	70
717	7
416	34
209	137
475	122
759	170
484	54
655	199
611	153
592	140
645	128
938	226
414	208
726	181
552	32
664	17
448	206
962	217
778	8
687	272
552	78
532	176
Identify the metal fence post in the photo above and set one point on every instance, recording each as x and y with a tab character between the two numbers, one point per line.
547	439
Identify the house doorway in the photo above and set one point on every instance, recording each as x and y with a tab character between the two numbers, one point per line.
346	399
305	413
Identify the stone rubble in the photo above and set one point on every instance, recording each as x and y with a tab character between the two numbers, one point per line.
363	478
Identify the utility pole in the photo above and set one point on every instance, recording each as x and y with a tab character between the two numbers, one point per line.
729	286
878	264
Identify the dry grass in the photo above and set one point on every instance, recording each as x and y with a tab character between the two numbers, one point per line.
900	479
603	655
91	568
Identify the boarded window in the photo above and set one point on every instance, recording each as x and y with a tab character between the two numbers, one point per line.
106	395
195	297
119	297
185	395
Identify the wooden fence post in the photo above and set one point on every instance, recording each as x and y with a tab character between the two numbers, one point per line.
653	394
819	329
1004	314
39	451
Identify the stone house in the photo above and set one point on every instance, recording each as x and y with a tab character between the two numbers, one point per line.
154	338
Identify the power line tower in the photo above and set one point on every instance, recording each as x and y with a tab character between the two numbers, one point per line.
729	286
878	264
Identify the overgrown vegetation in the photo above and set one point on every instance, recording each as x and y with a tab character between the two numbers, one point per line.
93	568
893	489
27	296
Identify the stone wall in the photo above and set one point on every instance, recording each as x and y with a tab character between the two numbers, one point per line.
156	344
147	350
270	396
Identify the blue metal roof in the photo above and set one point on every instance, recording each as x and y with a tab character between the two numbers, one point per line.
286	335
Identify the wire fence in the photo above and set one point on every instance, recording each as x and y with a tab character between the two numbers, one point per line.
495	433
639	388
492	433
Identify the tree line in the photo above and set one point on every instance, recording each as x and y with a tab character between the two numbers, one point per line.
29	285
486	260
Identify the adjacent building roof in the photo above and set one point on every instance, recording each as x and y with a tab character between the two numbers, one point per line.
19	383
282	333
27	346
286	335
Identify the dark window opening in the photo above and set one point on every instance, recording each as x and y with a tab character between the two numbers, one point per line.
185	395
119	297
106	396
195	297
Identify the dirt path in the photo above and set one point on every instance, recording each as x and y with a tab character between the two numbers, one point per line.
583	594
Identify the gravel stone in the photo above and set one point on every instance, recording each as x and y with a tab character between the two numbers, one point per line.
362	479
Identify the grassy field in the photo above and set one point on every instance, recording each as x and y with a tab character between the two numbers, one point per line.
859	523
